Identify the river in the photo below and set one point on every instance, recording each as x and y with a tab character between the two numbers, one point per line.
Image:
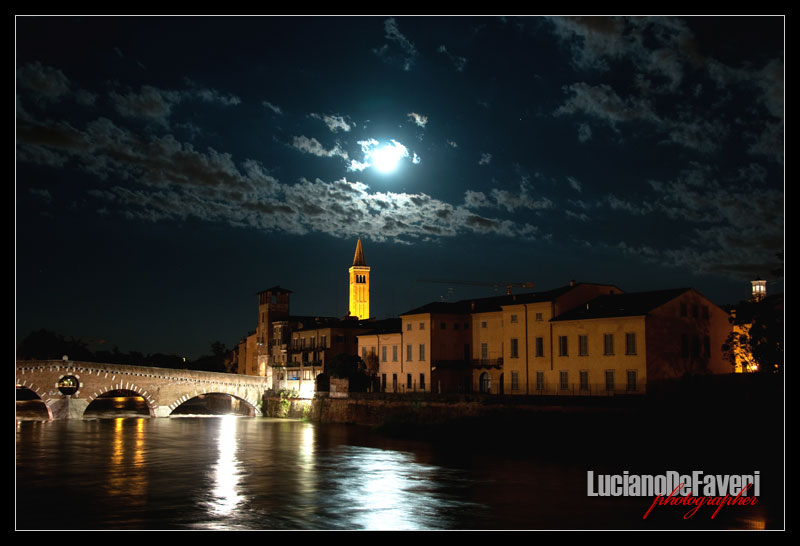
243	473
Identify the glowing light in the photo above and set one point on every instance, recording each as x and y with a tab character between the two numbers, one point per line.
387	158
383	157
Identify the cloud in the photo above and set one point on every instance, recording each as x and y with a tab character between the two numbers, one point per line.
154	104
504	199
603	103
162	179
420	120
485	159
574	183
458	62
408	53
314	147
44	82
584	132
272	107
335	123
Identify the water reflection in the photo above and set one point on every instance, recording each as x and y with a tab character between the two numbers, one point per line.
243	473
127	476
388	490
227	472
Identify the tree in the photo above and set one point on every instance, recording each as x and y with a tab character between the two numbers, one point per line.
757	337
350	367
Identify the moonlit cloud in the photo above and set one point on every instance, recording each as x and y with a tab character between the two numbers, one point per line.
334	122
407	49
420	120
458	62
314	147
485	159
275	109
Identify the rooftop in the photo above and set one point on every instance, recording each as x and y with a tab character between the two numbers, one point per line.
622	305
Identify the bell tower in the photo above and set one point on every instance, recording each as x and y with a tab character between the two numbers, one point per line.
359	284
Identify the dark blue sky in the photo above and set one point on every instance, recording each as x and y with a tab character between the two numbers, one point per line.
169	168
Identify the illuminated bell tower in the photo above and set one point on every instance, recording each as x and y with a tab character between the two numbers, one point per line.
359	285
759	289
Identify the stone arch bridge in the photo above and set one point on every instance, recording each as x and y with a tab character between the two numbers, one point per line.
68	387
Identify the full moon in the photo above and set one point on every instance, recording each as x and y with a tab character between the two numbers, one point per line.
387	158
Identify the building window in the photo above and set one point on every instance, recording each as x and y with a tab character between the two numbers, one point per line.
455	326
706	345
409	382
514	348
408	326
563	380
383	353
539	317
408	353
562	345
684	346
608	344
323	342
631	384
364	354
394	353
513	318
609	380
422	351
442	326
539	381
584	378
694	310
539	346
683	309
630	343
583	345
484	352
695	346
394	382
421	325
422	381
514	381
705	311
383	382
483	324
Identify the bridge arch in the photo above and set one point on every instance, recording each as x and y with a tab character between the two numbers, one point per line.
251	405
36	394
103	390
104	405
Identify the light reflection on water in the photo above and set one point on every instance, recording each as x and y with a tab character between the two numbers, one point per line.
244	473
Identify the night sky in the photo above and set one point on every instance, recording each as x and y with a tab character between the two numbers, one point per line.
167	169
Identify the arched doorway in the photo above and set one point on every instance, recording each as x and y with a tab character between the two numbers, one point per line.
485	383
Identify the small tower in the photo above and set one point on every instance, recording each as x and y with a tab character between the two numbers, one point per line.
759	289
359	284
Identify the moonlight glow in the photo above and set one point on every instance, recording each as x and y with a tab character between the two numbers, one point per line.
385	158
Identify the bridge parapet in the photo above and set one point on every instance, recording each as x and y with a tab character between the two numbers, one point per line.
163	389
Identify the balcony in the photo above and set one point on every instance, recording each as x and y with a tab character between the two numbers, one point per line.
487	363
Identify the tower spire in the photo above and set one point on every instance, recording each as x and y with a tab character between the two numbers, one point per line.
358	259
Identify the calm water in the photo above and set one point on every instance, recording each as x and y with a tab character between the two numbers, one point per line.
241	473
